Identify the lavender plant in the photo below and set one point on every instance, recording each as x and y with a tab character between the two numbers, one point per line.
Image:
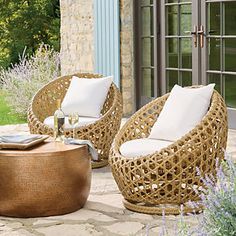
21	81
219	217
219	199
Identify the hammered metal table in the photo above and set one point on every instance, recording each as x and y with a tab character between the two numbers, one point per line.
49	179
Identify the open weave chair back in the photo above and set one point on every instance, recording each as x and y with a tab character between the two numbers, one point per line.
101	133
167	179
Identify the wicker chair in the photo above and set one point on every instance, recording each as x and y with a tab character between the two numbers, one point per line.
165	180
101	133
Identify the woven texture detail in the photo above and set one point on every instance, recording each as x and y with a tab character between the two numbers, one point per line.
101	133
166	179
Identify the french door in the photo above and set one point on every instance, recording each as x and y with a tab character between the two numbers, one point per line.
198	46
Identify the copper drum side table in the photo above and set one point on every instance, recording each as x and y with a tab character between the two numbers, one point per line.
49	179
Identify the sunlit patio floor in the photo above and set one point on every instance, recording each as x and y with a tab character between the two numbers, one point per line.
103	214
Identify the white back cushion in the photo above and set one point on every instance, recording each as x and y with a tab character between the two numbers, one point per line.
86	96
183	110
142	147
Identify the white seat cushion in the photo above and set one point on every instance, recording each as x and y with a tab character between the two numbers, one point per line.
82	121
183	110
142	147
86	96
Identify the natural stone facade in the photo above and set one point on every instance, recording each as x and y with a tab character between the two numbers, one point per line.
127	55
77	36
77	43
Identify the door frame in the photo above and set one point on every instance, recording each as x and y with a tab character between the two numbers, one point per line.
138	51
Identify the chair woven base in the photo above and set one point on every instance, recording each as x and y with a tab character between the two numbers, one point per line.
175	210
99	164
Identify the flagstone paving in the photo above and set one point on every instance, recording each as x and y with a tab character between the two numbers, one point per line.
103	213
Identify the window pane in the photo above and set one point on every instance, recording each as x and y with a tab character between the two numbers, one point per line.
230	88
146	2
147	52
230	18
148	83
147	21
185	19
172	20
186	78
172	79
230	54
214	54
215	78
186	53
213	27
172	53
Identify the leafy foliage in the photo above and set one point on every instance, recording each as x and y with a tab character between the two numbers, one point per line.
27	23
23	80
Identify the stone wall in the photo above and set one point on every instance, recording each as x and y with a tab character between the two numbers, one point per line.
77	36
127	56
77	43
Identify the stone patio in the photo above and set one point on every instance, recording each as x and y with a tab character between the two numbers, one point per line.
103	214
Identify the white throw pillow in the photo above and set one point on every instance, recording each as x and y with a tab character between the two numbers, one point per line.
142	147
86	96
183	110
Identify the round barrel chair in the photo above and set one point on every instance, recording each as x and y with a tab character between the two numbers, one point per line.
168	179
101	133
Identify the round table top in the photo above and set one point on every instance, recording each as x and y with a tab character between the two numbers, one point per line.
47	147
51	178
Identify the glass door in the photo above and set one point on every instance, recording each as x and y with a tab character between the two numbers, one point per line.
196	45
180	53
219	51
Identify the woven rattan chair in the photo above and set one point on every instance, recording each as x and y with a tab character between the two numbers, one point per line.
101	133
165	180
